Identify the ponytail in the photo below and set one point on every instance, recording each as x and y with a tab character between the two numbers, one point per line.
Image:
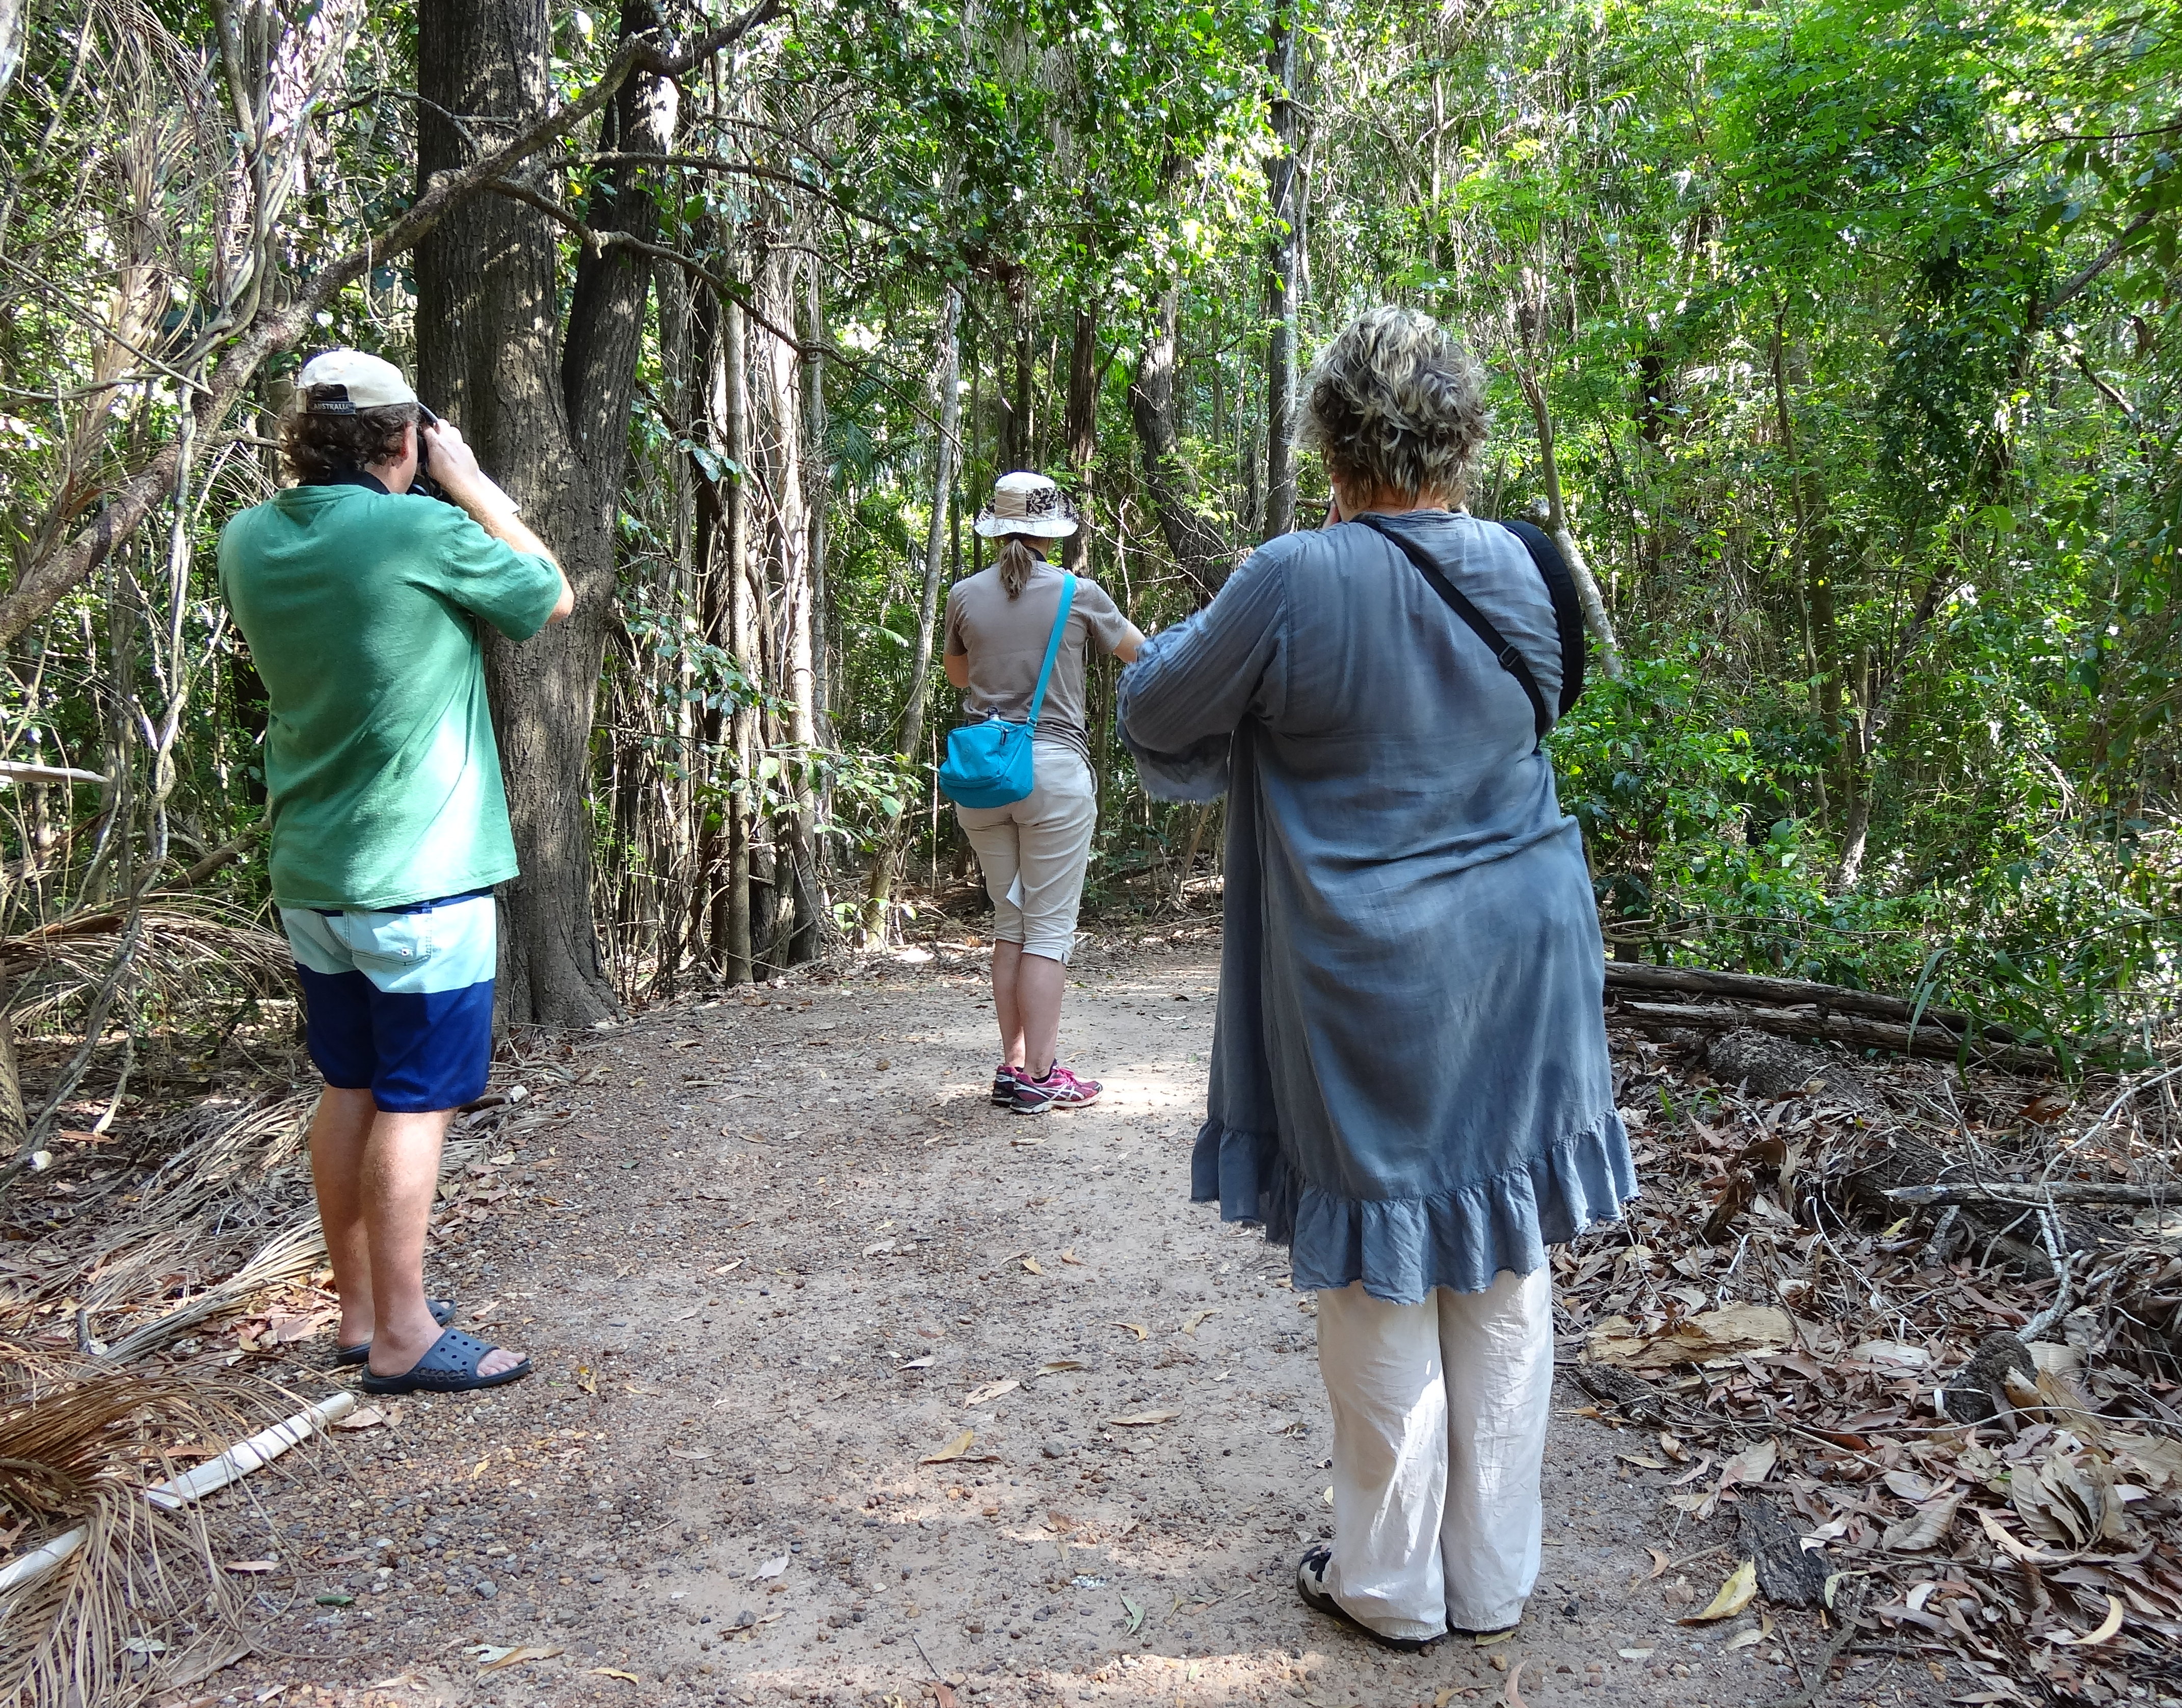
1016	564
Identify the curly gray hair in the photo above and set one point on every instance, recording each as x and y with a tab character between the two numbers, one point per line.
1396	404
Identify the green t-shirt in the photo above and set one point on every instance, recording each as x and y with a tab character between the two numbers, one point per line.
381	775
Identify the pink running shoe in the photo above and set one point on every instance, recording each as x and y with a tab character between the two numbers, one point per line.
1004	1087
1058	1090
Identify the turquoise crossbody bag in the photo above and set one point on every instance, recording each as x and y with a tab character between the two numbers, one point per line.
990	763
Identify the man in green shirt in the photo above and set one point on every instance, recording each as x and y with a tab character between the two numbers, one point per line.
388	823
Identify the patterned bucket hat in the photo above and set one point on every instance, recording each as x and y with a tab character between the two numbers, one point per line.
1027	503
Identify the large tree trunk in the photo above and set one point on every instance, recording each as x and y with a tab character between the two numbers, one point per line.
1279	279
1190	535
552	425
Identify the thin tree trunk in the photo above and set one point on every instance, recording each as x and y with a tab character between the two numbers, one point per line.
1280	279
1556	519
1808	502
1081	431
731	928
792	540
945	455
819	483
1024	410
1192	537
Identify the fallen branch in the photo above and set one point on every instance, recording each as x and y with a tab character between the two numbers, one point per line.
2031	1195
1854	1029
1752	987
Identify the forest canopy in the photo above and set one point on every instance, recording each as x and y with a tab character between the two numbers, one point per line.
1840	338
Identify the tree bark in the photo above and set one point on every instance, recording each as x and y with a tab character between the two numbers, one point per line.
552	424
1192	537
1280	279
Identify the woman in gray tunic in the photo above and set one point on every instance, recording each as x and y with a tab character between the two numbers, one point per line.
1409	1082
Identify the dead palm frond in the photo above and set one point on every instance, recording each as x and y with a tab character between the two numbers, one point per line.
187	948
78	1446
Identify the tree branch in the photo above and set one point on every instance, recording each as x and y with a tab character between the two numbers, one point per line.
2082	282
41	585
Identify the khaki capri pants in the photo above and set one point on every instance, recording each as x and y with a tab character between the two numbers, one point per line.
1034	850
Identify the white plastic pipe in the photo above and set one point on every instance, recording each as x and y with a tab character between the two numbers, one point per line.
237	1462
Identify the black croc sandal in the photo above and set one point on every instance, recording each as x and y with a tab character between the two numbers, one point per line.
450	1367
443	1313
1311	1585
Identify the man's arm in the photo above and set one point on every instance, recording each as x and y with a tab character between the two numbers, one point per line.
454	467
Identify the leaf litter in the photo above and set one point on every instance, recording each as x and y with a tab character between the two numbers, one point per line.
1966	1415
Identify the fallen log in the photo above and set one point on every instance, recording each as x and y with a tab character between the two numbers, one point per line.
1856	1031
1772	992
2030	1194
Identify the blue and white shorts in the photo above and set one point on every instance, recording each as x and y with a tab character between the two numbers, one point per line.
400	1002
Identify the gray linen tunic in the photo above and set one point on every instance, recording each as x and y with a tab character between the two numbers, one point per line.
1410	1081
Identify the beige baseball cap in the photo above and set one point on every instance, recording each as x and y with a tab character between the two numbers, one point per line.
341	382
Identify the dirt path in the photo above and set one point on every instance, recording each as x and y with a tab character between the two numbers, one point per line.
780	1256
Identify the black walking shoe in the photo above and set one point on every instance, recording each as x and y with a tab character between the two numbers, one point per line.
1311	1585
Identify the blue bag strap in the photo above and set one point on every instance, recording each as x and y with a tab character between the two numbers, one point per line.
1053	647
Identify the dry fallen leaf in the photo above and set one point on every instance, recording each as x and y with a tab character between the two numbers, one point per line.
1136	1329
1744	1639
364	1418
1196	1320
1659	1561
1054	1367
253	1566
1031	1263
1725	1332
1925	1528
586	1380
990	1391
772	1568
954	1450
616	1672
2008	1545
1070	1256
516	1657
1738	1592
1142	1419
1514	1697
2107	1626
1059	1521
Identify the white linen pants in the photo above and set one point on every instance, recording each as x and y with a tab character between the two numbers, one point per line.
1439	1431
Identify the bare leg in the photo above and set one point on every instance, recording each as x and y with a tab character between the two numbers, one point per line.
400	1171
1007	962
1040	981
340	1128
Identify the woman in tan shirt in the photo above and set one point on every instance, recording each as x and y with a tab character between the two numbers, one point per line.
1033	851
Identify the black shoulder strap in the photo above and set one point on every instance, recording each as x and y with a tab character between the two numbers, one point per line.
1568	613
1510	660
